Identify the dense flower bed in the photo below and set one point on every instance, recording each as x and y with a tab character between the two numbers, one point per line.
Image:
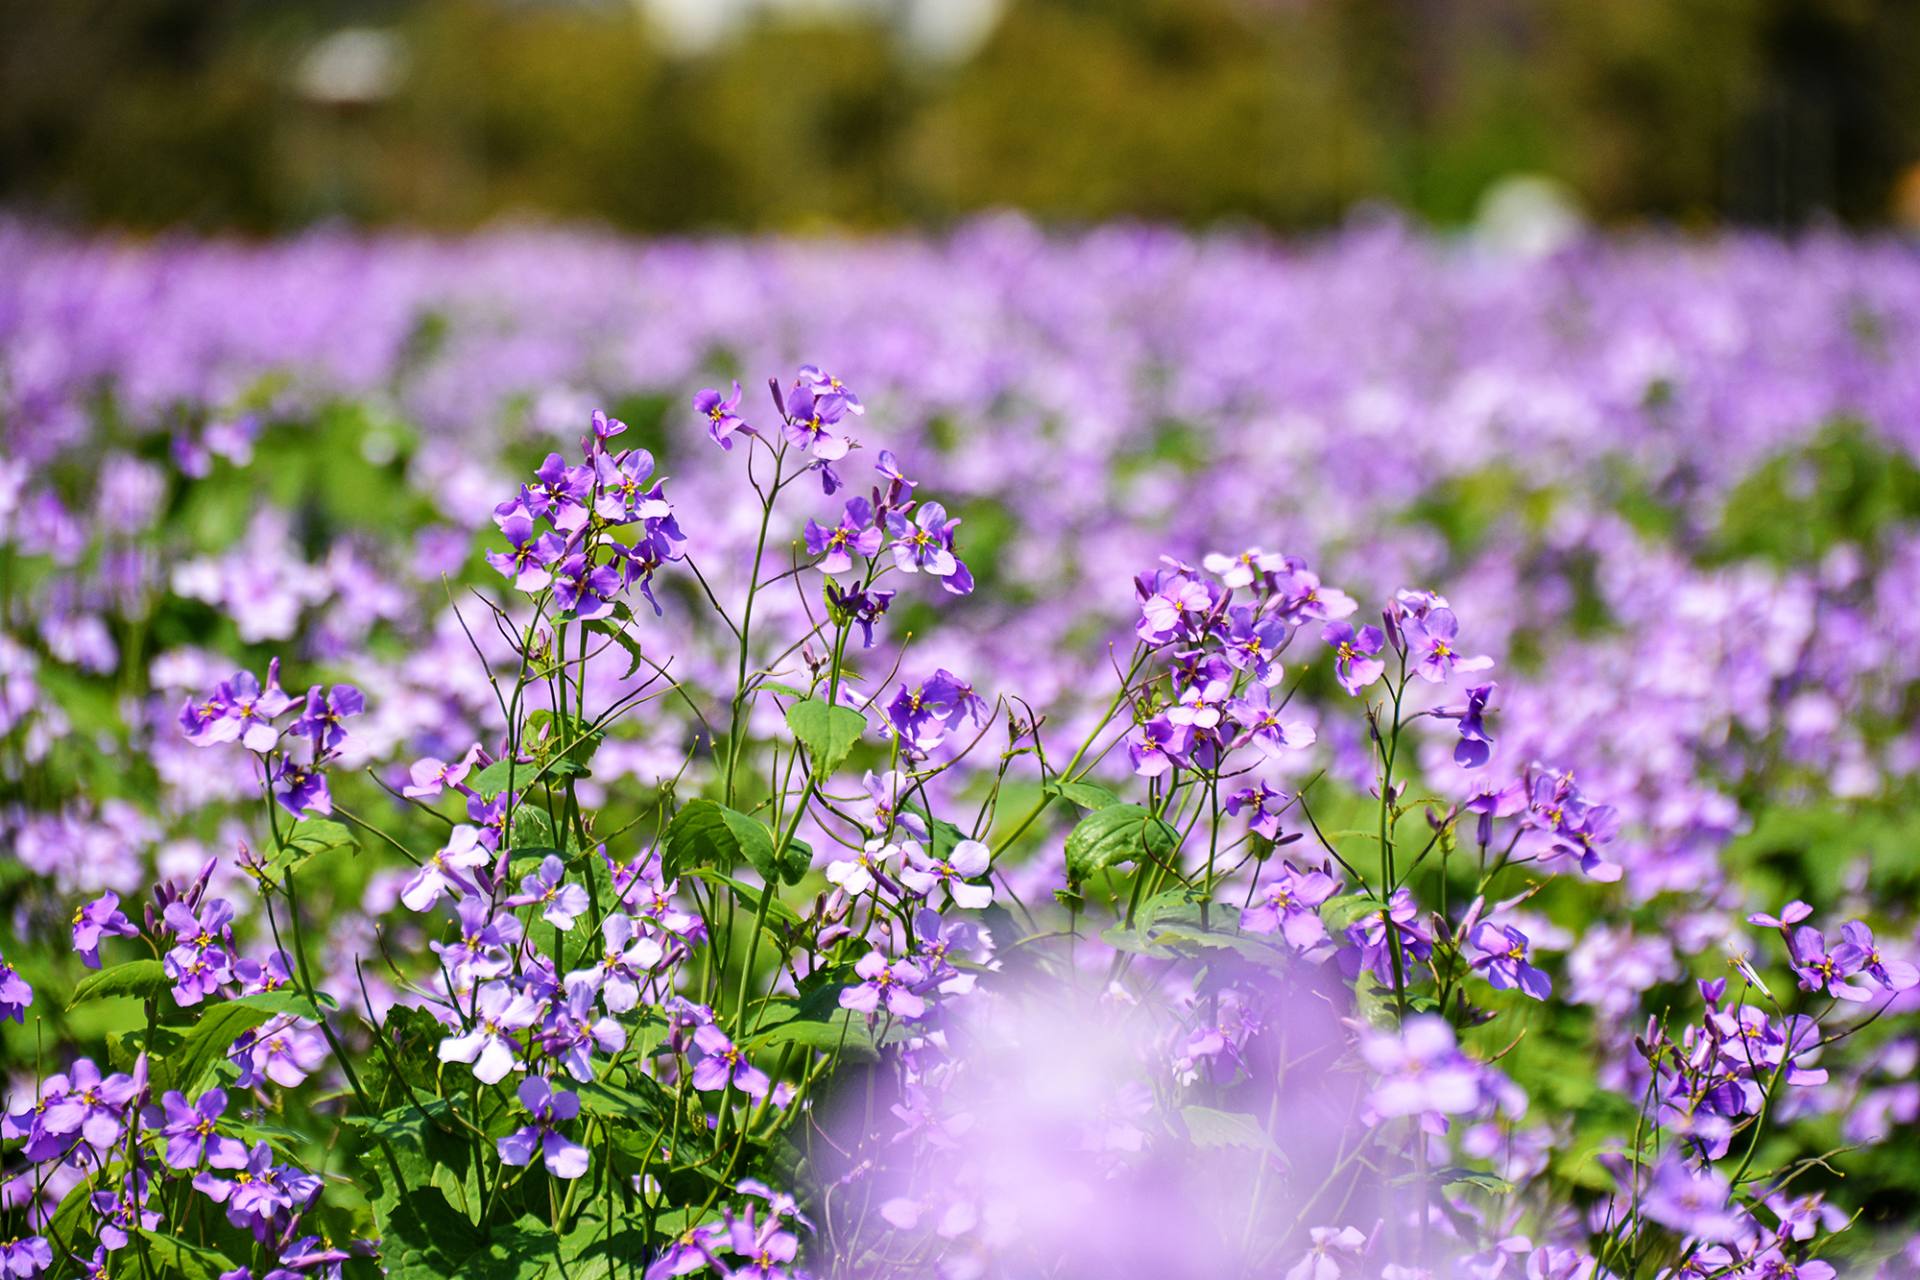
1197	756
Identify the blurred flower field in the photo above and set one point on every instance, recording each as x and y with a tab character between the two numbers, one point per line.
1402	766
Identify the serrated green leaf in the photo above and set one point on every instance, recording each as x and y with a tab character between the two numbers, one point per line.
1346	909
828	732
620	636
212	1036
1088	795
1491	1183
175	1257
610	1101
136	979
748	895
844	1031
775	686
1207	1127
706	833
492	780
1118	834
309	838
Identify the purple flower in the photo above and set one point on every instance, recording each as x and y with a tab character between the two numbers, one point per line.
575	1033
191	1136
560	903
546	1106
856	534
718	410
1265	728
481	949
767	1249
238	710
1245	569
1158	745
1290	904
1333	1250
1172	605
721	1064
1266	805
822	383
1303	596
286	1057
925	542
489	1043
118	1214
301	789
101	918
535	551
1693	1202
25	1258
1503	959
888	984
851	606
626	961
92	1106
1421	1069
861	872
1356	660
623	493
16	995
1822	970
1368	939
899	488
1860	954
430	776
882	811
563	492
1253	643
262	1196
441	873
1475	747
199	962
1430	641
965	861
584	589
810	421
325	710
691	1250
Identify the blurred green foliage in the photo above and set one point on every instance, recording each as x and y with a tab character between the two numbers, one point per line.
1287	112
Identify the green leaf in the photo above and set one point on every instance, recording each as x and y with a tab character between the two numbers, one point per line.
774	686
176	1257
1191	938
75	1208
611	1102
493	779
705	833
746	893
1209	1128
1490	1183
619	636
563	746
828	732
1088	795
844	1032
285	1001
1347	909
209	1041
309	838
136	979
1118	834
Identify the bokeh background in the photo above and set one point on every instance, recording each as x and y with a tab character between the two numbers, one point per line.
711	115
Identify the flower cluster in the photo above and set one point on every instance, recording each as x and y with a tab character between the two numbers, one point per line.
588	532
243	710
